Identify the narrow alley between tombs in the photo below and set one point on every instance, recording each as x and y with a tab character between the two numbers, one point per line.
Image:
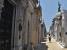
33	25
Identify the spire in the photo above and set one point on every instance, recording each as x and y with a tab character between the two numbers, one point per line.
59	7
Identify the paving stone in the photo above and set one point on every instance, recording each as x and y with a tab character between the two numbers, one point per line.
53	45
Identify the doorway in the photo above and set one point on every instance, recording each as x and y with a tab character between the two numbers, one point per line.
6	26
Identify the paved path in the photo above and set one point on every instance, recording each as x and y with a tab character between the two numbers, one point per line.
41	47
54	46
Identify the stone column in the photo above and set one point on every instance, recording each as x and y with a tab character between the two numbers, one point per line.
1	6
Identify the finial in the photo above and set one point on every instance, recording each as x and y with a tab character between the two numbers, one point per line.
59	8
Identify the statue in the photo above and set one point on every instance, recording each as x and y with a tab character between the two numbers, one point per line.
59	7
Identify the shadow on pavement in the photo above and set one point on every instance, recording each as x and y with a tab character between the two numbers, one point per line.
41	47
45	47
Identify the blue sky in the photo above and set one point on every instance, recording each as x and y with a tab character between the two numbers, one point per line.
49	9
